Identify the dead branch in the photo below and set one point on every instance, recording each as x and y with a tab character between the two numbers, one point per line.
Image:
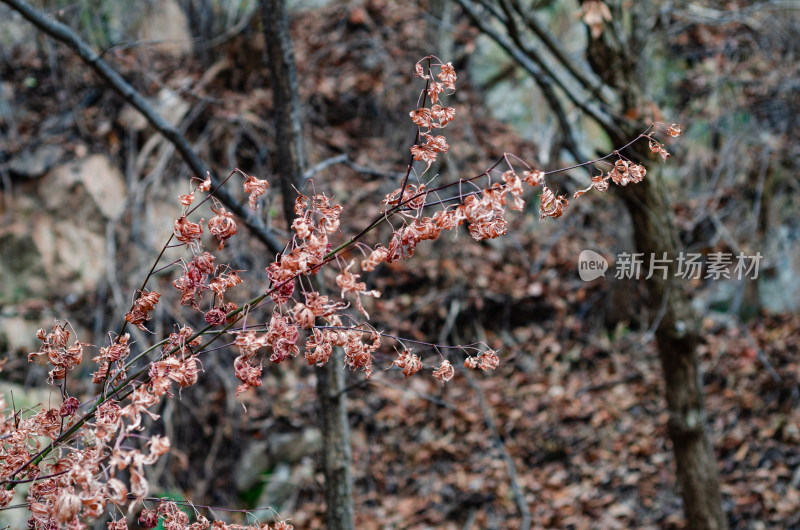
64	34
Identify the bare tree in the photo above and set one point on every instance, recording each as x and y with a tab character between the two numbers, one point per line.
603	88
290	164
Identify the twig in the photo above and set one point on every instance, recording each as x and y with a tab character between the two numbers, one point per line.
540	71
344	159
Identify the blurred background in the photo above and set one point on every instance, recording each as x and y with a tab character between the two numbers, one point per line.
573	424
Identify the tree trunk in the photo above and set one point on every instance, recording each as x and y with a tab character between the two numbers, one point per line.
677	339
289	160
290	165
677	333
337	454
616	58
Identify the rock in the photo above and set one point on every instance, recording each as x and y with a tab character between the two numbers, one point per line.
35	163
283	448
292	447
166	24
253	461
54	245
102	182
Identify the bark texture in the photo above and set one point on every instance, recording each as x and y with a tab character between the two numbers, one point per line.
337	454
677	339
289	160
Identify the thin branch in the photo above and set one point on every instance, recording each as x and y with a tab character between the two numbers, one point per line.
513	478
533	62
344	159
64	34
587	79
543	81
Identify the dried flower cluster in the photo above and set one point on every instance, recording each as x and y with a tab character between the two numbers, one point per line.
58	353
436	116
97	455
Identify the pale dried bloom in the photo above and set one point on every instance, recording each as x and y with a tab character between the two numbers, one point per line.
61	356
174	518
255	188
247	373
321	306
116	491
419	71
182	371
5	497
346	281
282	338
599	183
204	262
489	360
594	14
437	143
148	518
188	232
193	282
421	117
142	399
303	259
319	347
656	147
409	362
107	420
303	315
358	355
446	219
484	215
636	173
222	226
141	309
448	76
179	340
674	130
514	187
303	227
216	317
187	199
46	423
445	372
223	282
552	206
413	197
249	343
376	257
159	445
206	185
117	351
428	151
434	89
330	214
444	115
625	172
533	178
